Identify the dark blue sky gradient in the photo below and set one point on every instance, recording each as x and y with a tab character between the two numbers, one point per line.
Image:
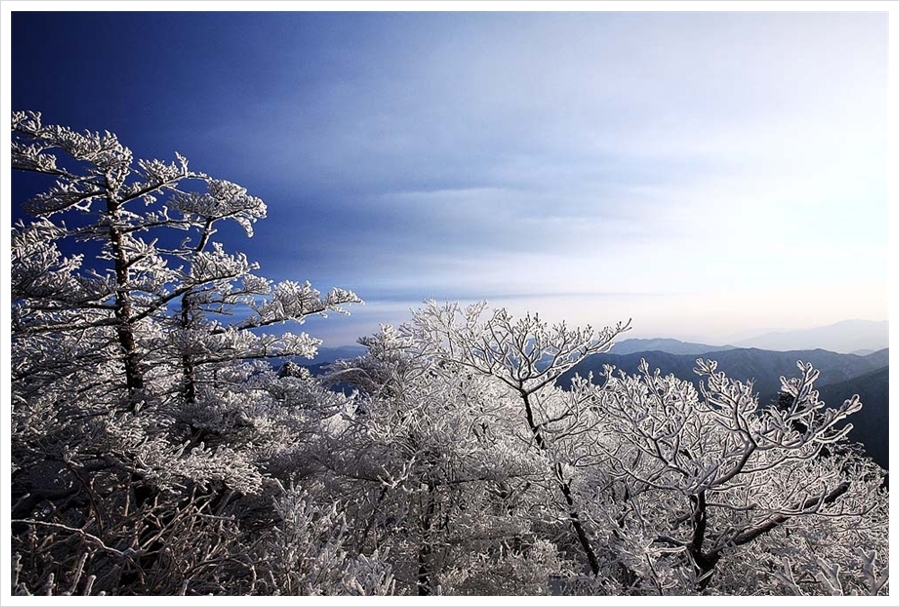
586	166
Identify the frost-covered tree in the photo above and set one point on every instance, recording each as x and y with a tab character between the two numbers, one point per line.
465	439
437	470
140	402
663	490
696	479
306	553
526	357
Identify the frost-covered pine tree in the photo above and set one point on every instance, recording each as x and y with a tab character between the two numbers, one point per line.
143	409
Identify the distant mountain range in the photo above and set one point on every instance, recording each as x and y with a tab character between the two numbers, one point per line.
763	367
859	337
846	336
672	346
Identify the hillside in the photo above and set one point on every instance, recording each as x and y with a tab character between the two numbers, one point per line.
764	367
871	426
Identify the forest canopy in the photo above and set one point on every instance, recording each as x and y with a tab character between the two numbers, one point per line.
156	448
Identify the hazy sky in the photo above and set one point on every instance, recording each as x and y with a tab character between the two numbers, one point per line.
708	174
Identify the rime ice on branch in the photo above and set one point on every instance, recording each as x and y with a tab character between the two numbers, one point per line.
139	381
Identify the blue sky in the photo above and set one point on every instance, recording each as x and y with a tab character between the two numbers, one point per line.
711	175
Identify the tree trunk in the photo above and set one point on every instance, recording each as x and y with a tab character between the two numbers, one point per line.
423	581
564	487
134	379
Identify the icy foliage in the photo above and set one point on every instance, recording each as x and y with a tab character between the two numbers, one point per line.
155	450
431	460
704	477
307	556
527	354
644	485
222	199
145	414
292	300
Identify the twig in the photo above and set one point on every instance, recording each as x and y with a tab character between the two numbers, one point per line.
81	532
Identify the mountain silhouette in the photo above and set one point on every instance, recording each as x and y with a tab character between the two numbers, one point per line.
672	346
763	367
871	425
844	337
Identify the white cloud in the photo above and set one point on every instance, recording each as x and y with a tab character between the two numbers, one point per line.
712	157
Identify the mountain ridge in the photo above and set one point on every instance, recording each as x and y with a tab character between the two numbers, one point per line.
871	425
844	337
763	367
663	344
